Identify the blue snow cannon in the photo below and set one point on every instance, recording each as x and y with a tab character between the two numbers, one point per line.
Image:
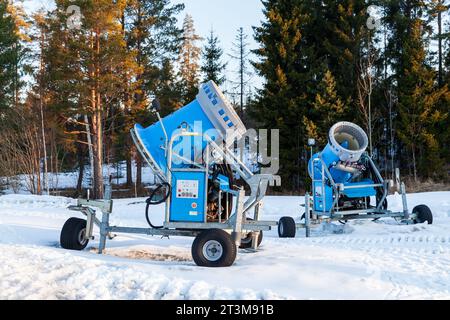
181	149
347	185
341	165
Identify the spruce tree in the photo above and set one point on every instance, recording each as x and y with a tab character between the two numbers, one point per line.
213	67
9	43
419	104
13	52
282	102
327	109
300	41
189	61
437	9
419	114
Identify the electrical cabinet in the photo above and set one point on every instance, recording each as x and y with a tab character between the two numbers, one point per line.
188	196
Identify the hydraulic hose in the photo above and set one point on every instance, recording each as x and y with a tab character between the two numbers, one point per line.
150	201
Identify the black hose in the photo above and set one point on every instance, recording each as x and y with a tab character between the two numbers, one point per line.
150	202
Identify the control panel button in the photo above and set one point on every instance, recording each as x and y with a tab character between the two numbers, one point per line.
188	189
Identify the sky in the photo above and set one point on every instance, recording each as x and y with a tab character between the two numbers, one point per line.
224	16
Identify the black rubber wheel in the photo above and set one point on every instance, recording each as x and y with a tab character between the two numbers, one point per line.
287	227
423	214
214	248
72	234
246	242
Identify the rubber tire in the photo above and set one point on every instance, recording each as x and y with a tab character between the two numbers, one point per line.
69	234
229	249
247	242
423	214
287	227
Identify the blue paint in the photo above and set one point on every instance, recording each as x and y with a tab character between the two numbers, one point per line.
188	209
153	137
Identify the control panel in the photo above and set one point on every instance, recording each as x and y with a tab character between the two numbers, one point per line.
188	196
187	189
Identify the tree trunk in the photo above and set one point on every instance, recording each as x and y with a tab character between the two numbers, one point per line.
97	124
41	107
414	162
138	170
80	168
440	72
37	161
89	142
98	155
129	169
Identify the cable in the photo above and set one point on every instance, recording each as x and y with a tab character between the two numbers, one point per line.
150	202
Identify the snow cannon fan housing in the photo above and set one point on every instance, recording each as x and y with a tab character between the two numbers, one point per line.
347	141
210	114
346	144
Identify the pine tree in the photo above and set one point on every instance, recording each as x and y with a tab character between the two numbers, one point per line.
86	69
39	36
213	67
152	34
189	61
241	54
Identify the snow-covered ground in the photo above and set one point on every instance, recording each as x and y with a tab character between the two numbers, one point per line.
364	260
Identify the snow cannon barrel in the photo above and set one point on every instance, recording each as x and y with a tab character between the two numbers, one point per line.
346	144
210	114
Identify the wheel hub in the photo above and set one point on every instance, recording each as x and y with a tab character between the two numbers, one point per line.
212	250
82	237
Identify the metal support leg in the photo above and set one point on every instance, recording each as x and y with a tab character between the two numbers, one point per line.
257	207
237	230
397	180
103	232
255	236
405	203
307	216
90	214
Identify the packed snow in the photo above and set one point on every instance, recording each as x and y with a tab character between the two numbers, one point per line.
361	260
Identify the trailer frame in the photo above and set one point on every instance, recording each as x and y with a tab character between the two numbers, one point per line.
314	217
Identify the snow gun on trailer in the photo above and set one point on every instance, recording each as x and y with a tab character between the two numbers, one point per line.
344	182
189	152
